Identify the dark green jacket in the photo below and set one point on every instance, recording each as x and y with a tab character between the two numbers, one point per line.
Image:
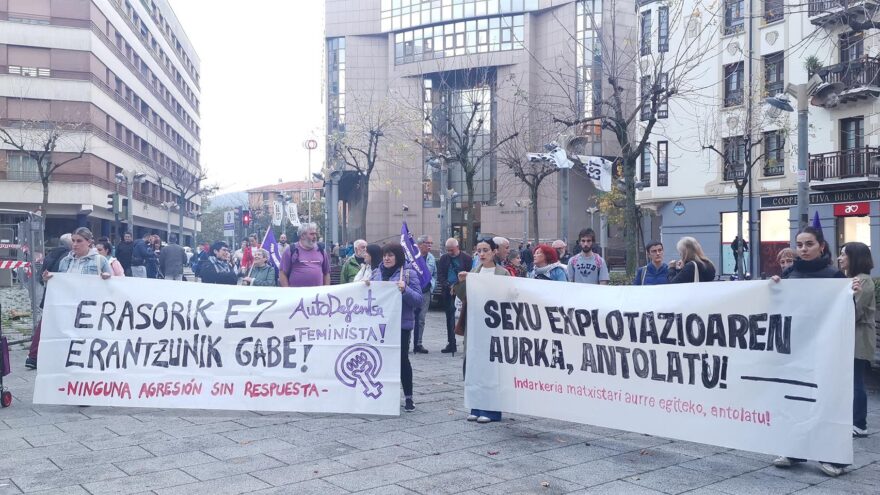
349	269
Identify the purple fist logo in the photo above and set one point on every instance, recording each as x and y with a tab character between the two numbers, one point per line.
360	364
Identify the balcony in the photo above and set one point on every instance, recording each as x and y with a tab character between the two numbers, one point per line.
826	12
849	169
860	78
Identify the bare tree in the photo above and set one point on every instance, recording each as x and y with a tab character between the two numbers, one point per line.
39	140
186	185
458	130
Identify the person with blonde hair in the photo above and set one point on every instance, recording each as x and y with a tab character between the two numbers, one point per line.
693	266
785	258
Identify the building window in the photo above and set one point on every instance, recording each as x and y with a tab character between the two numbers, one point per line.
645	175
774	74
733	84
645	111
662	163
21	166
733	16
335	85
663	29
29	71
774	153
852	133
493	34
589	69
734	158
663	103
852	46
405	14
645	23
773	10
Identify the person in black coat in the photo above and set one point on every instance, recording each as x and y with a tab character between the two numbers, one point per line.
692	258
813	258
216	269
124	250
454	261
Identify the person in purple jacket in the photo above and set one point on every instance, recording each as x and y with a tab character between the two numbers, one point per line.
395	269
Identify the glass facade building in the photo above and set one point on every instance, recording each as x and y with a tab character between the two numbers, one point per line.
405	14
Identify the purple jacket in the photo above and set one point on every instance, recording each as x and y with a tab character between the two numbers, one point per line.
412	296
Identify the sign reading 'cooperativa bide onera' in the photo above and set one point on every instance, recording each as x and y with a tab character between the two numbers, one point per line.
756	365
152	343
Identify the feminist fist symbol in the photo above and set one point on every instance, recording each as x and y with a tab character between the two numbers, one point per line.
360	364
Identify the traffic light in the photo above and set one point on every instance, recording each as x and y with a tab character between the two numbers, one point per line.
113	202
246	217
124	210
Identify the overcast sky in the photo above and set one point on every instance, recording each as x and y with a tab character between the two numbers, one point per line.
261	87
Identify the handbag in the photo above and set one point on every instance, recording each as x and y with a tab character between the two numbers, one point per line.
4	357
461	323
696	272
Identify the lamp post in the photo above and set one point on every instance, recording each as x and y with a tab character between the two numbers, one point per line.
310	144
129	181
525	204
592	211
168	205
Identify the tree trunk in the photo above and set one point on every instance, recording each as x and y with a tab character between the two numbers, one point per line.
357	224
180	205
533	213
467	240
630	220
45	205
738	256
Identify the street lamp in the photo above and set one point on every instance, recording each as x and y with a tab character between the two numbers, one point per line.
823	95
310	144
129	181
525	205
439	163
168	205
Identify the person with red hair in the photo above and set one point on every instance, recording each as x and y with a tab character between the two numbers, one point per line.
547	266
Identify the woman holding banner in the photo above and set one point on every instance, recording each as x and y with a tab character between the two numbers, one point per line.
105	249
547	265
216	269
813	262
260	273
855	261
83	257
395	269
486	252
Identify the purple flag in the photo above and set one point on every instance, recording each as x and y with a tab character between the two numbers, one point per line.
414	257
816	223
271	245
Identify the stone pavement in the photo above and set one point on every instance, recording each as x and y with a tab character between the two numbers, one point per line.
95	450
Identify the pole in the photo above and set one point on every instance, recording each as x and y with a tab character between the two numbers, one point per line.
563	182
603	235
168	232
309	192
129	184
525	211
445	200
334	206
803	156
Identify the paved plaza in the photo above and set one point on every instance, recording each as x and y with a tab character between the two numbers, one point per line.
97	450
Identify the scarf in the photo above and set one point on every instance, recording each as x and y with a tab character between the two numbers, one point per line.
387	272
220	266
543	270
360	261
810	266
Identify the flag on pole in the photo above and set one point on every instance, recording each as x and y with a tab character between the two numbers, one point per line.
598	170
271	245
414	256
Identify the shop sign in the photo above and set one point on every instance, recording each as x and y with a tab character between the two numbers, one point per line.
823	198
852	209
678	208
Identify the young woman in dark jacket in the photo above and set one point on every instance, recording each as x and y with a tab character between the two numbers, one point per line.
216	269
693	264
813	261
394	269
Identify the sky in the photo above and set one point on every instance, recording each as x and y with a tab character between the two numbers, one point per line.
261	87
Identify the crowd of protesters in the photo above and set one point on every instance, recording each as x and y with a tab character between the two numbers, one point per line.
306	263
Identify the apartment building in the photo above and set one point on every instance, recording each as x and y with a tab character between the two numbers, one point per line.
428	62
117	80
718	123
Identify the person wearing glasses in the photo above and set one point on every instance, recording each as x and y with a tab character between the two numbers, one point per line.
656	272
217	269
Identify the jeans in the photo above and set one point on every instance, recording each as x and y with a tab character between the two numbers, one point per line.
139	271
860	395
449	307
35	340
406	375
421	313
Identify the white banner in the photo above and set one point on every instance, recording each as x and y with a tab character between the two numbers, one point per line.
293	214
154	343
748	365
277	213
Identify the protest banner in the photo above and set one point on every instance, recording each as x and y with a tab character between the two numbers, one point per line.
756	366
152	343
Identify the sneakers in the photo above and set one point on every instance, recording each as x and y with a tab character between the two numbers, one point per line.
472	417
408	406
783	462
449	348
859	432
830	469
30	363
483	420
419	350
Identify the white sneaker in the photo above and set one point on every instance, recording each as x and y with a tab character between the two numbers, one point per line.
472	417
483	419
830	469
859	433
783	462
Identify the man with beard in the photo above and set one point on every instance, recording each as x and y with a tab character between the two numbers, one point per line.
123	253
303	263
587	267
